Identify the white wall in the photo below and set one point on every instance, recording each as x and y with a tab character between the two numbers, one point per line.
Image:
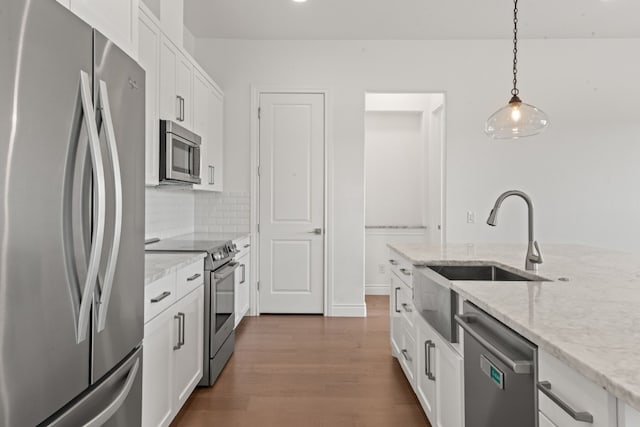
169	212
583	173
394	166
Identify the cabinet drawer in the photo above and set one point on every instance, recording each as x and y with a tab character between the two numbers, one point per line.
544	421
407	309
575	392
159	295
402	267
189	278
407	357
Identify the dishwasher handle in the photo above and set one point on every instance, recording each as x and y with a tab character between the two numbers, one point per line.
517	366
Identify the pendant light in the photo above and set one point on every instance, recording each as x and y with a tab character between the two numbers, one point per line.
516	119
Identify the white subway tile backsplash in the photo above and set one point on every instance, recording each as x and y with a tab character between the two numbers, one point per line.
222	212
169	212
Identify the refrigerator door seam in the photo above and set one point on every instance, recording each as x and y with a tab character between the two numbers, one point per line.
107	122
98	172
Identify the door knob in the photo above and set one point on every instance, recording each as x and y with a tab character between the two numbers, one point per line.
316	231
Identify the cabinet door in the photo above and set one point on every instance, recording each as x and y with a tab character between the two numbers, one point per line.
160	335
188	358
216	132
242	288
201	126
395	315
184	86
426	365
149	58
449	385
116	19
169	102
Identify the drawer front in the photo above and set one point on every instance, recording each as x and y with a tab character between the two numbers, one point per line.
543	421
243	246
407	309
408	357
566	387
402	267
159	295
189	278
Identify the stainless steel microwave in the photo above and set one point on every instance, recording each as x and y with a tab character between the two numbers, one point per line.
179	154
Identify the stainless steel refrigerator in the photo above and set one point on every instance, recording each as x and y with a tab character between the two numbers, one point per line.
71	222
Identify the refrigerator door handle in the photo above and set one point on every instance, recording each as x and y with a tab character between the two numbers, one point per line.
107	122
98	237
113	407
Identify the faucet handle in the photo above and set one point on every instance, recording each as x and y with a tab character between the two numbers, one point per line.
536	257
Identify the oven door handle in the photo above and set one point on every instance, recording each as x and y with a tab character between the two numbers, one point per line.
226	271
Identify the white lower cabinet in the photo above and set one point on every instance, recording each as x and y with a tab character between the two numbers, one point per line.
543	421
568	399
627	416
395	315
242	280
449	385
425	381
173	352
439	379
157	365
188	358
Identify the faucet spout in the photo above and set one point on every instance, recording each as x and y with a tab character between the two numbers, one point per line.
534	257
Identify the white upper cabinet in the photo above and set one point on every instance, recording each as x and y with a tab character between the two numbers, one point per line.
116	19
149	59
208	123
176	84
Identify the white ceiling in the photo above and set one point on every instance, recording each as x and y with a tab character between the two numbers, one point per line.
410	19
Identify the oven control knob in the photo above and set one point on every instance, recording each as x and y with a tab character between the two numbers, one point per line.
217	256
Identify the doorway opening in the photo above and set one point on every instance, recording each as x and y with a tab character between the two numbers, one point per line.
404	177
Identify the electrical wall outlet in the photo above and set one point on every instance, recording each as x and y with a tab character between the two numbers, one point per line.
382	268
471	217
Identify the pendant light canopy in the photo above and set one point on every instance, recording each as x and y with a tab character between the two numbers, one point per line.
516	119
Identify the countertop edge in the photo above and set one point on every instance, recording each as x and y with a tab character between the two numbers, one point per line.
171	262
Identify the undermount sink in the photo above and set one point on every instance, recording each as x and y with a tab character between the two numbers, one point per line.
493	273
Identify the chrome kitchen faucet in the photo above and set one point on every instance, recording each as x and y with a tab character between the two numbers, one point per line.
534	257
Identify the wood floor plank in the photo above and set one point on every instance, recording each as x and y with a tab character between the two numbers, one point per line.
309	371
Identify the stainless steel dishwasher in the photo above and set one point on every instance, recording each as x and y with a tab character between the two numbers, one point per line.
500	373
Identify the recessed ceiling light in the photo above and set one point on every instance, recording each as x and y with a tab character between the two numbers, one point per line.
300	1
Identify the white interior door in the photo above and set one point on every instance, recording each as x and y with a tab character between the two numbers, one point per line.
291	214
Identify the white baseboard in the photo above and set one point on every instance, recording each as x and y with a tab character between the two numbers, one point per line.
349	310
376	289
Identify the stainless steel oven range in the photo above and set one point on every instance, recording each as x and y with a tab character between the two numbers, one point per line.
219	299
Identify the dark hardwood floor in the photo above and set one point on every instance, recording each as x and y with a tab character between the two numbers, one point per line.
309	371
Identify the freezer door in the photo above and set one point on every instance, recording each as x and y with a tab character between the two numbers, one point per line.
112	402
119	85
45	235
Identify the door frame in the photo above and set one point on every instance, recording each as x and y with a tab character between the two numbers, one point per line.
256	91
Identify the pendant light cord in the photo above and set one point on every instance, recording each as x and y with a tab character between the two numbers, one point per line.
515	90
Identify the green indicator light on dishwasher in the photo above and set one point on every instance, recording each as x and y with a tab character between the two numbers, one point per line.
495	375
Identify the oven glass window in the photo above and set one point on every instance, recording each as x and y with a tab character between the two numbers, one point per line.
182	154
224	300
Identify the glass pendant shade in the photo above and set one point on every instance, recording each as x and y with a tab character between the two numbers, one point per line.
516	120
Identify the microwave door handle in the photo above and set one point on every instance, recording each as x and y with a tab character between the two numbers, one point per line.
99	183
107	122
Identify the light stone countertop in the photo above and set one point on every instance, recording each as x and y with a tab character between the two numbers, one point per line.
158	265
591	322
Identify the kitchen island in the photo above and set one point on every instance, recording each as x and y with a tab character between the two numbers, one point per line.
586	315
